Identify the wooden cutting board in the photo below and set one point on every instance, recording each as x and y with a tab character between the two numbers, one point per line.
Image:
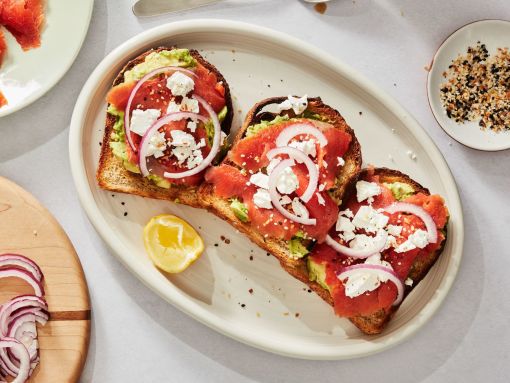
29	229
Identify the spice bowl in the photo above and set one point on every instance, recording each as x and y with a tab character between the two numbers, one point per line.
493	34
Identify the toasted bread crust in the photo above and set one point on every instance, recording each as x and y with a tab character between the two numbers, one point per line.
111	173
279	248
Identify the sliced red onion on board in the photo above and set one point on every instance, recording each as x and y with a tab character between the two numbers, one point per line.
298	155
138	85
23	371
403	207
214	149
379	269
22	262
144	144
298	129
17	272
275	196
378	245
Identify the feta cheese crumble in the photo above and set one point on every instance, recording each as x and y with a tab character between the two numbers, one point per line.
308	147
180	84
369	219
365	281
261	180
262	199
141	120
299	209
367	191
297	104
287	182
157	145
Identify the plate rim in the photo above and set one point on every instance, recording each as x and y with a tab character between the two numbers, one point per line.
45	89
178	299
429	86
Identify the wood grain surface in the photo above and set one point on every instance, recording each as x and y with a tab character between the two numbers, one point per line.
29	229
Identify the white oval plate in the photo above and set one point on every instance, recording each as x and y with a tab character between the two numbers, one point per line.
495	34
280	316
26	76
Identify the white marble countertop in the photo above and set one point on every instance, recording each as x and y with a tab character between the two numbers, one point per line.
136	336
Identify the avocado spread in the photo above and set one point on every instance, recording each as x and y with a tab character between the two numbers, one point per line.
240	210
155	60
254	129
297	245
400	190
317	273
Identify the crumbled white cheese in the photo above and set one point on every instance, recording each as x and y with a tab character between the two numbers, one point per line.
185	149
297	104
408	282
308	146
320	199
418	239
262	199
189	105
180	84
322	187
192	126
141	120
157	145
261	180
287	182
347	236
369	219
367	190
181	138
347	213
299	209
394	230
365	280
344	224
341	161
173	107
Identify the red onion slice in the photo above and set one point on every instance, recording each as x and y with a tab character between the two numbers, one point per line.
214	149
17	272
12	307
387	272
23	372
403	207
379	244
144	144
22	262
298	155
275	196
135	90
298	129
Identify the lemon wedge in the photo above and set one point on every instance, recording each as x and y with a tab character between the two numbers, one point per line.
171	243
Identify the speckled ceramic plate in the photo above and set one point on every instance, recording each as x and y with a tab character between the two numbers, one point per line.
26	76
494	34
280	315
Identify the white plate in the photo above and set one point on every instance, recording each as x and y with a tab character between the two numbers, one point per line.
26	76
259	63
495	34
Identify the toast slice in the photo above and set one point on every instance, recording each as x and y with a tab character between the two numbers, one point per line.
111	173
376	322
347	176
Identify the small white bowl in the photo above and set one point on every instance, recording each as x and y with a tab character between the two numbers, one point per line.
494	34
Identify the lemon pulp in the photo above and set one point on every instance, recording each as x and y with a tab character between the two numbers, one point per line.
171	243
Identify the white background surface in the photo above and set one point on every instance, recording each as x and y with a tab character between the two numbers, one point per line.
138	337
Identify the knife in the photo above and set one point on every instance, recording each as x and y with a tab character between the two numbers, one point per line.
146	8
